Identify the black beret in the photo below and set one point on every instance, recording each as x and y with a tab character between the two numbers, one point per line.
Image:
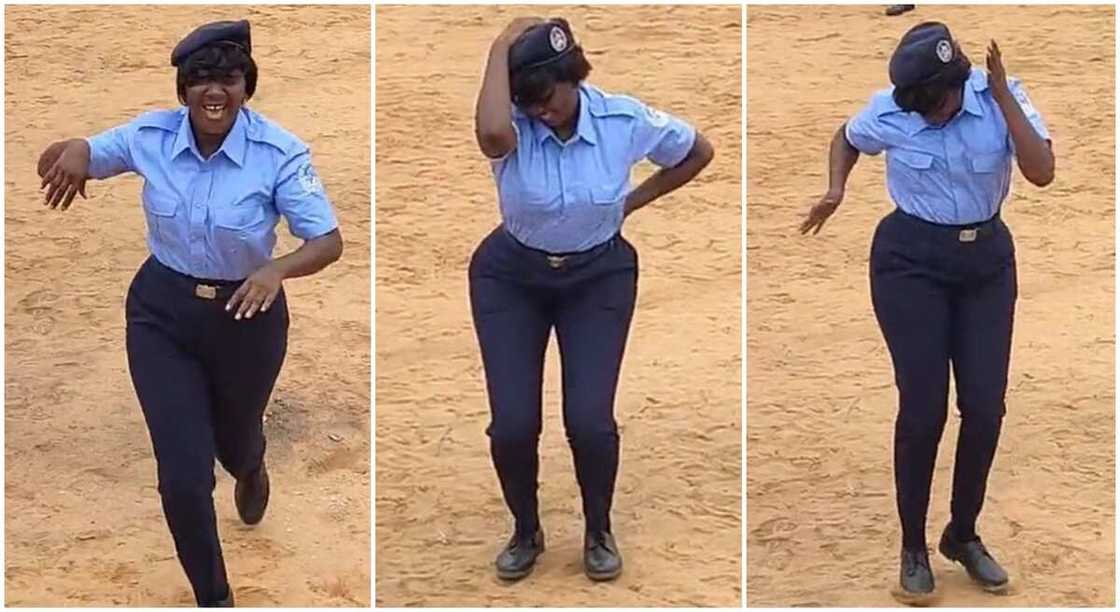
541	44
229	32
924	52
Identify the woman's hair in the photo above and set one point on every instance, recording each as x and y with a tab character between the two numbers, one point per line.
926	96
216	61
533	85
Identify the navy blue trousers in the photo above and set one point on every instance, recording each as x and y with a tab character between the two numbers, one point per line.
518	295
943	297
203	381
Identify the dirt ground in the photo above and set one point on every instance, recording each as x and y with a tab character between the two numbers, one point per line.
440	517
83	519
821	520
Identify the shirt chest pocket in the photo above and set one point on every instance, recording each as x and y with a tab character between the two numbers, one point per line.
913	170
240	226
240	218
987	163
606	195
536	197
160	211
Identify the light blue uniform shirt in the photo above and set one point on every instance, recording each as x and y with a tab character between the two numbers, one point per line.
955	174
565	197
216	218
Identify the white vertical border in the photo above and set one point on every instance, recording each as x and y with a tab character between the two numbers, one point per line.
372	305
743	303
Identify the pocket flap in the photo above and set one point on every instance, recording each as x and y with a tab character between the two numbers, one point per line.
913	159
987	162
160	206
606	196
238	217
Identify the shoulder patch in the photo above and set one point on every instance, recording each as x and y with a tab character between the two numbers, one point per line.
166	120
1024	101
309	180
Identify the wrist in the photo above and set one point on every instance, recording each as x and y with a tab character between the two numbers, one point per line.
279	268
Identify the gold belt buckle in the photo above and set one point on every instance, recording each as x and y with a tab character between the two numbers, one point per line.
555	261
968	235
206	292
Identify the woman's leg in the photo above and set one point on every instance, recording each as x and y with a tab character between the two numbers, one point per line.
174	395
912	308
512	323
592	326
983	315
244	360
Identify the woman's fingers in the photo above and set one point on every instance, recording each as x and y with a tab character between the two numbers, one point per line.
71	191
254	305
237	296
251	303
268	300
55	187
49	176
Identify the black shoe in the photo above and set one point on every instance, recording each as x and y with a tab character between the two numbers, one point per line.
898	9
517	559
251	496
977	561
915	578
601	560
226	602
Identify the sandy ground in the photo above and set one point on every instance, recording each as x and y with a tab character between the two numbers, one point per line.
822	527
83	519
440	518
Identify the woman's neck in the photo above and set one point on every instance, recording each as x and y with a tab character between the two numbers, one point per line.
565	131
208	144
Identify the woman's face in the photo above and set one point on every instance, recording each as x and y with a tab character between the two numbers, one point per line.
949	106
558	108
214	100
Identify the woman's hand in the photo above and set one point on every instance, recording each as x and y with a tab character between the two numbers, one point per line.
1033	153
257	292
821	211
666	180
493	119
516	28
64	166
997	75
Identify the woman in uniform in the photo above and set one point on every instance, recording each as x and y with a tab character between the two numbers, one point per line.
943	280
206	317
561	156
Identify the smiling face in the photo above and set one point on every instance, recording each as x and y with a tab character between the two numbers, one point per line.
213	83
214	99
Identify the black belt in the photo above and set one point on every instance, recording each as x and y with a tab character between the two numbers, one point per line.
969	232
202	288
558	261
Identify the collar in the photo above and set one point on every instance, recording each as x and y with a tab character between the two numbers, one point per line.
233	147
970	103
584	128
